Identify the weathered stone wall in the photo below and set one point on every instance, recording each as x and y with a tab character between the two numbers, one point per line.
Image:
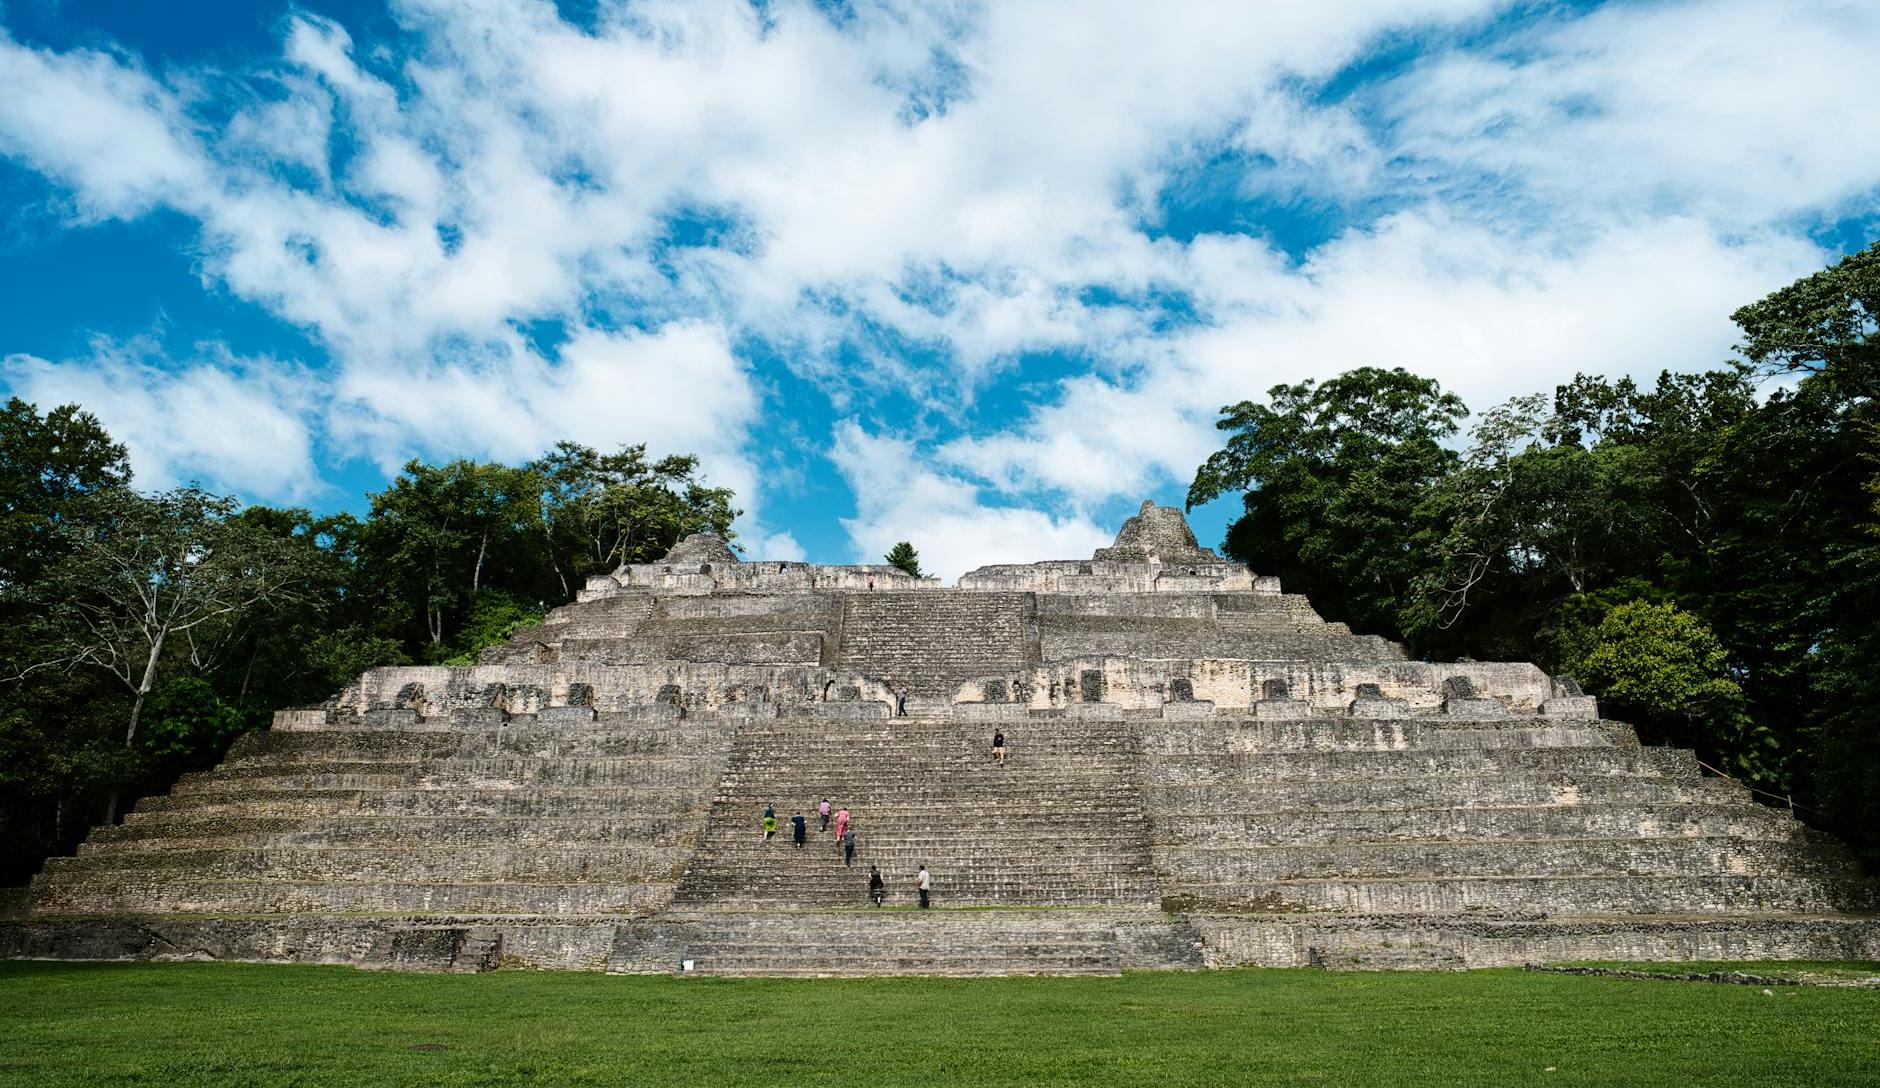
1128	682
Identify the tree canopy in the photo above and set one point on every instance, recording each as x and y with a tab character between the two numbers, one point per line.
903	557
1701	550
142	632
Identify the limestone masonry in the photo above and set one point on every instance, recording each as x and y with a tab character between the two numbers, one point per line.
1203	773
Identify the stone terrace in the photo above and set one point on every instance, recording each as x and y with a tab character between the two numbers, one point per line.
1204	773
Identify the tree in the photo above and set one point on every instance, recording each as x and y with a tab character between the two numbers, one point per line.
903	557
600	511
439	532
45	464
146	575
1826	325
1333	476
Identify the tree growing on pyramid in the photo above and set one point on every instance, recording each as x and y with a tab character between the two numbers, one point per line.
903	557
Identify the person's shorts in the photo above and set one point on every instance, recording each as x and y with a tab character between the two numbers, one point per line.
999	751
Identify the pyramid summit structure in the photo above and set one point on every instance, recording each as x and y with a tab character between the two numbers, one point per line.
1202	772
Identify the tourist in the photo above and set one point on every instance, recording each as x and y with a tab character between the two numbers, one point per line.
770	822
842	824
823	809
848	847
799	829
925	884
998	745
877	888
900	704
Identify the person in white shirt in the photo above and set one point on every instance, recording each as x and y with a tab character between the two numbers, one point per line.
926	886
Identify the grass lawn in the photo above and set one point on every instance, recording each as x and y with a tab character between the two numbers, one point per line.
1798	970
189	1024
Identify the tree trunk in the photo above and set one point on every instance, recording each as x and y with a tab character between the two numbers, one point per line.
476	576
249	672
548	549
143	687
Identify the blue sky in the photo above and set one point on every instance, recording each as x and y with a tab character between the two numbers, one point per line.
973	275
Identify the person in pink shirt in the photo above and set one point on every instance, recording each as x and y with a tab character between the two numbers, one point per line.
822	809
842	823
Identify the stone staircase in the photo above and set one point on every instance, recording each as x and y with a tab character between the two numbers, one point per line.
1059	824
852	943
528	821
1517	817
926	642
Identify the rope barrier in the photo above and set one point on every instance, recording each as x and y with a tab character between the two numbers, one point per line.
1783	797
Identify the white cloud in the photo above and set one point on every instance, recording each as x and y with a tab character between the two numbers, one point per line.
226	422
1485	315
1585	191
1735	110
102	126
898	496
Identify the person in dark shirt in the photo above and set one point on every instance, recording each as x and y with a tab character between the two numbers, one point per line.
998	745
799	829
848	847
877	888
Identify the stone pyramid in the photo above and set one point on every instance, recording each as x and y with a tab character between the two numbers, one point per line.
1202	773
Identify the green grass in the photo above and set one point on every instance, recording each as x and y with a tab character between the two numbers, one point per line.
1799	970
187	1025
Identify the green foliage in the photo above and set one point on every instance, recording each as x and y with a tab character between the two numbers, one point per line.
138	633
492	618
903	557
1667	672
1334	477
1827	325
46	463
1573	525
600	511
258	1025
188	722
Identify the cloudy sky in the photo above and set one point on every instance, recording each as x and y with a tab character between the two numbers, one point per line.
974	275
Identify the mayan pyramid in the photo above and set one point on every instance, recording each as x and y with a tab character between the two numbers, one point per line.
1203	773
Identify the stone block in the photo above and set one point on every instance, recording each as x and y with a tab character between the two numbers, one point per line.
988	712
565	715
849	711
1474	707
1198	710
1379	707
290	720
479	717
1270	709
389	718
1571	706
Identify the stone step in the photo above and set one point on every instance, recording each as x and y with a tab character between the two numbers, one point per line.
1007	891
193	896
889	941
1420	764
1567	857
695	774
1439	791
601	864
407	746
565	801
178	831
1221	737
1600	894
1481	824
